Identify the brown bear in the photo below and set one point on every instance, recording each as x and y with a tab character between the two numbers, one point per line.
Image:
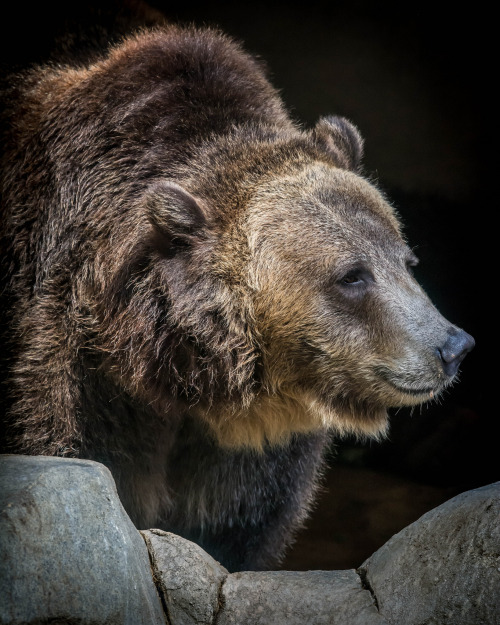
197	291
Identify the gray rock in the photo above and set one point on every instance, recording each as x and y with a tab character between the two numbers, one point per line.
297	598
444	569
199	591
68	551
70	554
188	577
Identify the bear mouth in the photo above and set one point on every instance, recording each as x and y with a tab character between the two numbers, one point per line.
428	390
392	379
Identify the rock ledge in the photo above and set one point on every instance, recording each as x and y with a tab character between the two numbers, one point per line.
70	554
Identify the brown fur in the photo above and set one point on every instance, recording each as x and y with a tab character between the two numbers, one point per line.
188	269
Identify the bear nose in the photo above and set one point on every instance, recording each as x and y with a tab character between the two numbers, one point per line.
457	346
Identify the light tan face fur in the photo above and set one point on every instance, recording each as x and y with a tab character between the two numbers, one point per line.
346	330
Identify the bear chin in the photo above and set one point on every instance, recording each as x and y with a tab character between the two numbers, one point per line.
271	420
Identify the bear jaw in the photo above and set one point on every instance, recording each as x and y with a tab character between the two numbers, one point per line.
271	419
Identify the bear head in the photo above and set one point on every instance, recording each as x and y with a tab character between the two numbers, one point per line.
278	294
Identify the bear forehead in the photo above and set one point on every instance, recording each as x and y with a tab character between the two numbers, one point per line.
322	211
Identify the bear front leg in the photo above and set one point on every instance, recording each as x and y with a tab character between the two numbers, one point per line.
242	506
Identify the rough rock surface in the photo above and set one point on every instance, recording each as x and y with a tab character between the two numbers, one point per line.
68	551
297	598
70	554
197	590
189	579
444	569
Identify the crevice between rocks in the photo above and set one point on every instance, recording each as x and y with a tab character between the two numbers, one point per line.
363	576
220	601
156	581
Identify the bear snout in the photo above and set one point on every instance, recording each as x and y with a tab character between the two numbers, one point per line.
457	345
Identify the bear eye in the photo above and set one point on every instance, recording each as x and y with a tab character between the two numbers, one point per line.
356	277
351	278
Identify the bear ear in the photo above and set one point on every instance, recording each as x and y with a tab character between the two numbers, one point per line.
177	217
341	139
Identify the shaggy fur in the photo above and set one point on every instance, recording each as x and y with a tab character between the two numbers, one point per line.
197	290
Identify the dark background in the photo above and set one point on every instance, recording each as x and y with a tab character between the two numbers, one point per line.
415	79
